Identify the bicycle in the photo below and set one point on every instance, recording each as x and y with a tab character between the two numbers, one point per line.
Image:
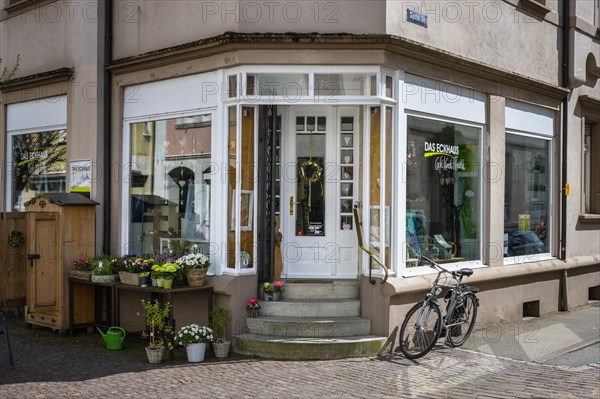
424	324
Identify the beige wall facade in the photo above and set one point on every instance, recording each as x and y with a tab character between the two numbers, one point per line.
504	51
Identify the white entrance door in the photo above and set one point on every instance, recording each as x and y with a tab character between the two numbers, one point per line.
319	178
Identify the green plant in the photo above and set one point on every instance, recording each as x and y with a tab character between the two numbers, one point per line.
144	274
157	320
83	265
102	266
194	334
217	320
268	288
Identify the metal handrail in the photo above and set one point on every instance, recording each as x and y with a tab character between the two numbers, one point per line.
361	245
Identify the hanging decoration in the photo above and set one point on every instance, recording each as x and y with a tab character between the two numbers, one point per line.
16	239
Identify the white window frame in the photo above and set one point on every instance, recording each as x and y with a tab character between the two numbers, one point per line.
512	260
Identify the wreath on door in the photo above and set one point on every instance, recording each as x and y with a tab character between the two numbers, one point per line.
310	171
16	239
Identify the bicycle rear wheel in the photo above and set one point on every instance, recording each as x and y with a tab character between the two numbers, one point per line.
421	329
462	321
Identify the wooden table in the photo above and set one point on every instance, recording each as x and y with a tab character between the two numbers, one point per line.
99	289
167	295
156	292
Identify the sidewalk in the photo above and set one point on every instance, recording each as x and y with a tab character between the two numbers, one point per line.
563	338
48	366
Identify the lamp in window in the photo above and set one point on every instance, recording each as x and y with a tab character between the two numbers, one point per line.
148	129
206	175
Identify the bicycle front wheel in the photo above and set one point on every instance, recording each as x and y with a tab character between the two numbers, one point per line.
461	321
421	329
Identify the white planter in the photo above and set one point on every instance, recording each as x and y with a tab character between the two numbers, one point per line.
195	352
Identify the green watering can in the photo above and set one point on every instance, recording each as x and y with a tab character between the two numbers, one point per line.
114	338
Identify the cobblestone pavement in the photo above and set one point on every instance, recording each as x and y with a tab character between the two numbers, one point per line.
50	366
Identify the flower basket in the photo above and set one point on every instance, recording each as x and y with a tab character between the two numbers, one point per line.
129	278
221	348
79	275
155	355
196	277
109	278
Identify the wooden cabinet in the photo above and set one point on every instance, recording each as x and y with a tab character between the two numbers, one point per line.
60	229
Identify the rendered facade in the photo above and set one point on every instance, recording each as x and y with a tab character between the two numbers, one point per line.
250	130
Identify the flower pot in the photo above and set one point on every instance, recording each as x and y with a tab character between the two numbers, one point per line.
195	352
159	281
196	277
111	278
221	348
168	283
267	296
144	281
277	296
155	354
253	313
154	284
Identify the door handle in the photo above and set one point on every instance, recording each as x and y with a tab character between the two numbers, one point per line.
32	257
292	203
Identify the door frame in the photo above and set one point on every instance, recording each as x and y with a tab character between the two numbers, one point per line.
338	247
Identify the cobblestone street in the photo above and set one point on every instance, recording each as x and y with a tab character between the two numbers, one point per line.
49	366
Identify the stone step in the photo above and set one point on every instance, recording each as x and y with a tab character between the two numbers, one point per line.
307	348
328	290
311	308
297	327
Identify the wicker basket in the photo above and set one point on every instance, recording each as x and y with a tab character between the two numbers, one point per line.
129	278
196	277
79	275
110	278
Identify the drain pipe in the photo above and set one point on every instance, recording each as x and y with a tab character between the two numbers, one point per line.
563	294
107	112
565	128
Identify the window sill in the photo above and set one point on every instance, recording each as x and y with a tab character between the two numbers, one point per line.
589	218
534	7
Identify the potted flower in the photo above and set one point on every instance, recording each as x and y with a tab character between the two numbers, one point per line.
253	307
157	317
103	271
195	267
168	271
267	290
194	338
278	287
144	278
217	321
132	266
82	269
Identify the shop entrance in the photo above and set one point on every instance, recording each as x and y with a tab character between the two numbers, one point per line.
319	177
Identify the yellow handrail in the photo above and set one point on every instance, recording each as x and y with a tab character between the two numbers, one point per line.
361	245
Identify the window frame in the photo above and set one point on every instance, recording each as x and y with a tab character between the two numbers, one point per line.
519	259
402	210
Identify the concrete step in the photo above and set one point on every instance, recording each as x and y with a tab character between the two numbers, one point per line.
307	348
298	327
328	290
311	308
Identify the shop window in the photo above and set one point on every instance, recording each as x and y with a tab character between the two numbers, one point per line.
39	165
241	193
443	191
291	85
347	84
591	169
170	172
527	196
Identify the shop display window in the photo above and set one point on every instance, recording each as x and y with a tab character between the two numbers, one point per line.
443	191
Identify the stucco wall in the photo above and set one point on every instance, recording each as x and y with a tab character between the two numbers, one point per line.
494	33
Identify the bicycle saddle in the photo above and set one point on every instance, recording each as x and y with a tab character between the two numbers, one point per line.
464	272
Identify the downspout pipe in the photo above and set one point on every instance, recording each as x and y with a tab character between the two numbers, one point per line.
565	127
107	116
563	294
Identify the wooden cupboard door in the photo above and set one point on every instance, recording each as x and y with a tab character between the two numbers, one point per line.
43	263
